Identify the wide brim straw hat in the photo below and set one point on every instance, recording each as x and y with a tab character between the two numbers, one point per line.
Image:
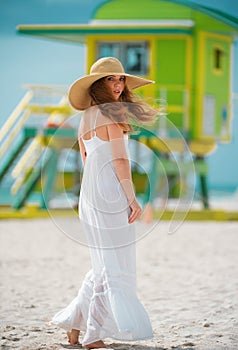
79	96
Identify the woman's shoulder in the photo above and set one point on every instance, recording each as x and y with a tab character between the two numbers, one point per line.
115	130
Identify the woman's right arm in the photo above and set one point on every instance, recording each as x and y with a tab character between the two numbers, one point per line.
82	149
123	170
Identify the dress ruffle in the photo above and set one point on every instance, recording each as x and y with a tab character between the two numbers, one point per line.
104	308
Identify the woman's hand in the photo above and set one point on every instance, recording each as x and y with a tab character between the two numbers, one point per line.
136	211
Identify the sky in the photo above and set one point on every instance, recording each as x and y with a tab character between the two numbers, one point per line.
33	60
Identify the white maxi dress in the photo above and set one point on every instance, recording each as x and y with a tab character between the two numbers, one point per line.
107	305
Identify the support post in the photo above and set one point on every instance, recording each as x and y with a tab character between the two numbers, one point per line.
203	184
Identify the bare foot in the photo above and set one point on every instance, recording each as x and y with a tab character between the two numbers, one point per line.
73	336
96	345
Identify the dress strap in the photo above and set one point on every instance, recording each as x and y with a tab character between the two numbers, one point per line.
94	128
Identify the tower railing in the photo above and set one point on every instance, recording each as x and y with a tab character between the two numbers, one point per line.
22	136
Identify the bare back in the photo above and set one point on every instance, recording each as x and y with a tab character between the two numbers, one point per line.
86	128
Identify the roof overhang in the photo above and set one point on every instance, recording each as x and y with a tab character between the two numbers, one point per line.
78	32
162	23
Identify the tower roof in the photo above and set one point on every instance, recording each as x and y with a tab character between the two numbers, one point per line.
138	17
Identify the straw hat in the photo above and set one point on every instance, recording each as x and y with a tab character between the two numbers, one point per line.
79	96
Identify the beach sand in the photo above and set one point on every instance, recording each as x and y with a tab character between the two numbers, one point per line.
188	282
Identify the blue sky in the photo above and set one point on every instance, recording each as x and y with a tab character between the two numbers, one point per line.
26	59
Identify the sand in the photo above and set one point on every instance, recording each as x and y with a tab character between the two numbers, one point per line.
188	282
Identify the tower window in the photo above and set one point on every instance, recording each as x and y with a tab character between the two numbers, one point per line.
133	55
218	54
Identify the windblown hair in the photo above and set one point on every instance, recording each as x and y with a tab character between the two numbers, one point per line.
128	107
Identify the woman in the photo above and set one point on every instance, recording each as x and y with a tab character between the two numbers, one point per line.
107	304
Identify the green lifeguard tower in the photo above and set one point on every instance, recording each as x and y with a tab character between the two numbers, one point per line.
185	48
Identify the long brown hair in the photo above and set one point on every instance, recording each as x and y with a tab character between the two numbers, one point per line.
129	106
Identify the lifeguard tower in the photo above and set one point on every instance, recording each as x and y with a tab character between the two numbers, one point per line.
185	48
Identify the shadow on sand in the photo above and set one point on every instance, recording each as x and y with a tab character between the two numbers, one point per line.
125	346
